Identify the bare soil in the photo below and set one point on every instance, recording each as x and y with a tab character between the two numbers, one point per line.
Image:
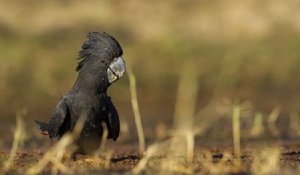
124	157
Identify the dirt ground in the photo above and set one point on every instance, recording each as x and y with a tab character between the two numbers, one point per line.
122	158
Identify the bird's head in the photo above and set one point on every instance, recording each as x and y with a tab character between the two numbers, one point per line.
101	59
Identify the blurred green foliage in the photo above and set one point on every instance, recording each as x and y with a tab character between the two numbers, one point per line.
245	49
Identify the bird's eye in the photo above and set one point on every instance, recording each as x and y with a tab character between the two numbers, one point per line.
116	69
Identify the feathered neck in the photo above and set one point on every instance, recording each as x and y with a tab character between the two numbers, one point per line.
91	80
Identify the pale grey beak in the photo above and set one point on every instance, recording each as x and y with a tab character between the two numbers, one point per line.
116	69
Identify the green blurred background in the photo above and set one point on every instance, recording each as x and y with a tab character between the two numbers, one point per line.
243	51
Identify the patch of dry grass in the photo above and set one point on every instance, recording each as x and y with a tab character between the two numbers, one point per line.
19	136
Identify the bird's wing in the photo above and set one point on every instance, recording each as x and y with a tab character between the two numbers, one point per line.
59	115
112	120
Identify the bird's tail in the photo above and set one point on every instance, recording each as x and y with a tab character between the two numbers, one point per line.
44	127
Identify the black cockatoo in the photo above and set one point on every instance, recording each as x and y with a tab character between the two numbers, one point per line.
100	65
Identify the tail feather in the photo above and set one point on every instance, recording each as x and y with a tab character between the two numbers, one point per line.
44	127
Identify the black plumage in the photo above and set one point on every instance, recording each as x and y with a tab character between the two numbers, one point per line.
88	96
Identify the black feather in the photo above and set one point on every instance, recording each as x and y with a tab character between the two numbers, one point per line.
96	46
42	126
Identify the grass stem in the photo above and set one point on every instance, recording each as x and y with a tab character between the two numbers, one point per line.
236	131
136	111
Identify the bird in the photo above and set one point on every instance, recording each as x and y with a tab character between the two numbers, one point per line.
100	64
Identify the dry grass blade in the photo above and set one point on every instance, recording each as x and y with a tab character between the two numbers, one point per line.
143	163
294	123
135	107
186	98
258	126
103	140
108	156
236	131
190	142
18	138
272	121
185	108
